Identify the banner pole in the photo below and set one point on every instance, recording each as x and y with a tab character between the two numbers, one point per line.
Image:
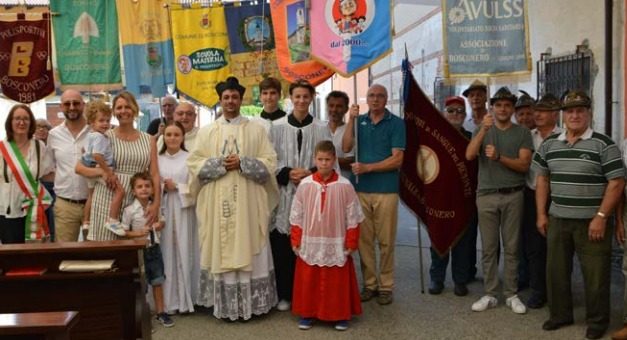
356	148
422	271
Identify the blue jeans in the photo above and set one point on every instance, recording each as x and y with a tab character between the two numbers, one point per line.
153	265
464	258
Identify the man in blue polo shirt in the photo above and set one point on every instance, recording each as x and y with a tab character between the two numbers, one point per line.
380	147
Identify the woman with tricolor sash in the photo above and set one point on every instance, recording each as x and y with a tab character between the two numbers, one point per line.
23	199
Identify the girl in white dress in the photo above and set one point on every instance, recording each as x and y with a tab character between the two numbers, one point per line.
179	238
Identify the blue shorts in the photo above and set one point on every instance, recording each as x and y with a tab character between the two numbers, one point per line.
153	265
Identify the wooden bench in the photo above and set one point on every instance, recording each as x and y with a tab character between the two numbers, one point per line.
111	304
46	325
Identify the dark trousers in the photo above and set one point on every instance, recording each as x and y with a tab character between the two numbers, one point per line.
50	211
284	264
566	237
463	258
533	247
12	230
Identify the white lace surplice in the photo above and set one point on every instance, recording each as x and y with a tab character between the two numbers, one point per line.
285	140
233	210
324	225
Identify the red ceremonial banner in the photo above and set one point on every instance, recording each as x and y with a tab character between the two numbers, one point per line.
25	64
437	182
290	20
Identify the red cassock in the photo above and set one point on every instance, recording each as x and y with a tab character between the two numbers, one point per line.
323	219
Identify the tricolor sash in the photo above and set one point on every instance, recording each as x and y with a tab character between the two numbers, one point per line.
37	198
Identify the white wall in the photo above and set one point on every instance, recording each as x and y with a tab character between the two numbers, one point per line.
559	24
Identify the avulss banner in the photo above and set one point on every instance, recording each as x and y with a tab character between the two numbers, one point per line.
485	38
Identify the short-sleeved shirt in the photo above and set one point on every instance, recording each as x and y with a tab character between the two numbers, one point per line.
578	173
375	143
133	217
337	142
98	143
537	140
494	175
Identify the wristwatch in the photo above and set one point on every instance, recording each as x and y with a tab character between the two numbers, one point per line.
601	215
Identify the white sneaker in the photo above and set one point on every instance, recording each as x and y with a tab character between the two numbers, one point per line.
516	305
283	306
116	227
487	301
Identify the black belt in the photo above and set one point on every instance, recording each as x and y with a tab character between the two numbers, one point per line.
72	201
502	190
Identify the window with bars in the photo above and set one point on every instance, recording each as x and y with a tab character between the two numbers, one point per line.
442	88
556	75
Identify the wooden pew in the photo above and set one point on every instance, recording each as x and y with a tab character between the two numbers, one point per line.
111	304
38	326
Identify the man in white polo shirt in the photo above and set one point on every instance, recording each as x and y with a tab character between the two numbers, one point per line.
65	144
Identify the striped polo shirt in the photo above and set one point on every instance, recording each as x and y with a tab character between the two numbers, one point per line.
578	173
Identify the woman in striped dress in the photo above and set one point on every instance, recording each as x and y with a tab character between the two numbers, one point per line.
133	151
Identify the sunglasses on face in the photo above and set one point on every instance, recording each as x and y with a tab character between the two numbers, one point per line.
458	111
75	103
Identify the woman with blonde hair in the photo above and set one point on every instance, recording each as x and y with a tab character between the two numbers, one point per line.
133	151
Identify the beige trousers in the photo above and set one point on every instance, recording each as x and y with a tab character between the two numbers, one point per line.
68	218
379	225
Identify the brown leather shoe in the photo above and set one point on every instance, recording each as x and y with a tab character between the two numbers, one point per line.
620	334
385	297
367	294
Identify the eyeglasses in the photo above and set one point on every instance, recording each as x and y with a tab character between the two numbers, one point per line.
41	127
376	95
186	113
76	103
21	119
458	111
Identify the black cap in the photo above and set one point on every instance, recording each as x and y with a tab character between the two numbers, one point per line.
524	100
548	102
231	83
576	98
503	94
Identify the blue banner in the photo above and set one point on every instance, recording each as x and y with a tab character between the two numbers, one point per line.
146	45
252	43
485	38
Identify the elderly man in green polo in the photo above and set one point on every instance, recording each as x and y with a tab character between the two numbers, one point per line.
583	172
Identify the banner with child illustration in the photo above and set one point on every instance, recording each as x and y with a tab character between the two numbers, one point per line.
350	35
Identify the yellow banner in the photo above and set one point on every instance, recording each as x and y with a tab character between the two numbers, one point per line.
143	22
200	51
